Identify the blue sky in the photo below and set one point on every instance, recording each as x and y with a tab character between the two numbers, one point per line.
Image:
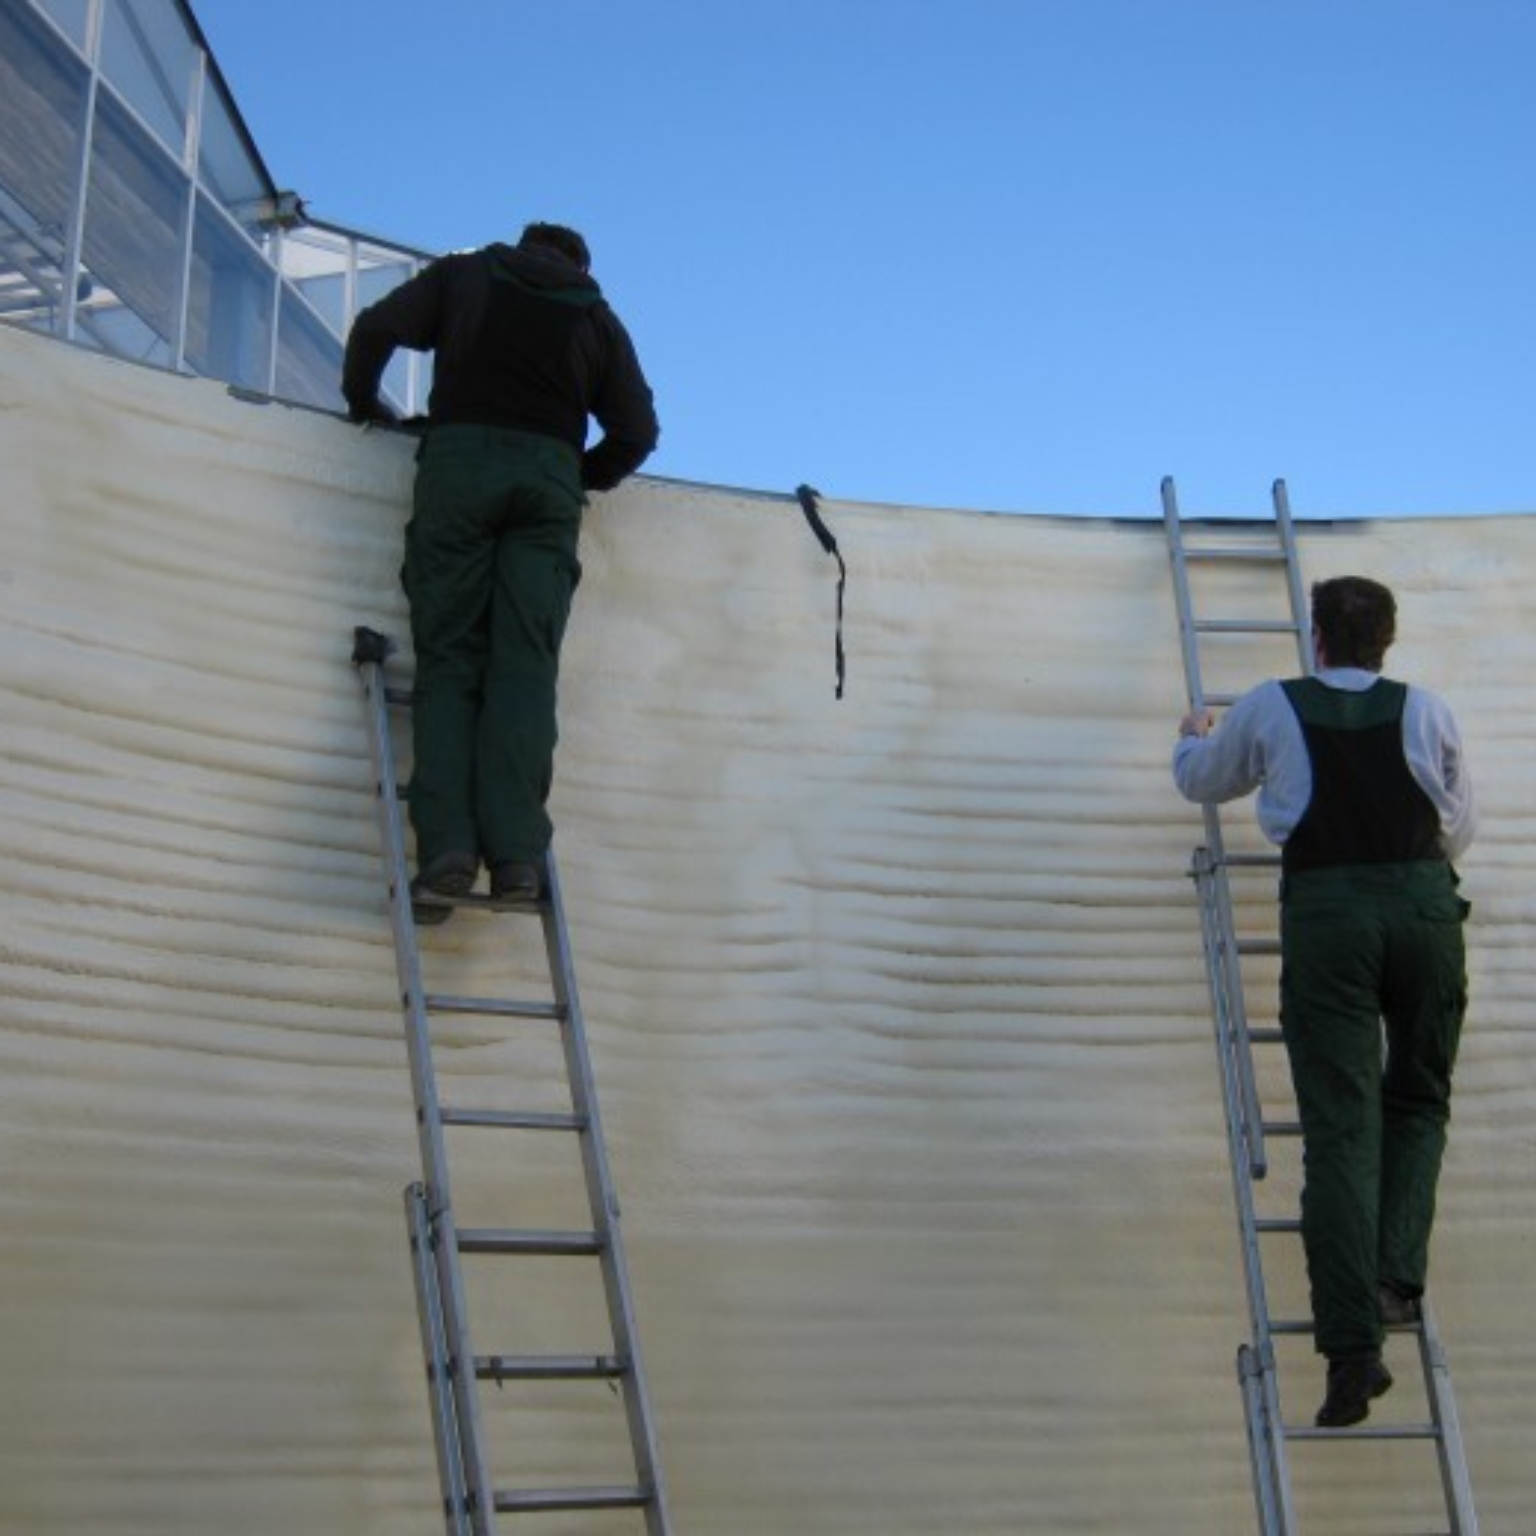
1012	255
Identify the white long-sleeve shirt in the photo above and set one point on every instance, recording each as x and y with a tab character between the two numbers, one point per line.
1259	745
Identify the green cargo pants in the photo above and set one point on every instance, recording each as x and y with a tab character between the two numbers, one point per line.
1363	946
490	571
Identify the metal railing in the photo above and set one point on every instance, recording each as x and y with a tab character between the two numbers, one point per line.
138	218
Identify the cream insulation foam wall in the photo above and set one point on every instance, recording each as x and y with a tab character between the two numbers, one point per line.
897	1007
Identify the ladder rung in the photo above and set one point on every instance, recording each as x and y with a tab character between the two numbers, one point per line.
549	1367
1233	552
1266	1037
532	1500
479	902
1282	1127
1220	700
1363	1432
501	1240
491	1007
1251	861
1245	626
1292	1327
1258	946
514	1119
404	697
1278	1224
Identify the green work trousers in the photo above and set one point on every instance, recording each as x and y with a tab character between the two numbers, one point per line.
1364	946
490	571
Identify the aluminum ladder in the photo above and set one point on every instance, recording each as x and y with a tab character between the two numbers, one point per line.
1248	551
471	1502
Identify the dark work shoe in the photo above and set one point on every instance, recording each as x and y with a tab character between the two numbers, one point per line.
516	880
1353	1385
1396	1308
449	874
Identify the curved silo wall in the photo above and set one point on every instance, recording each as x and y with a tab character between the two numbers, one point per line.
897	1004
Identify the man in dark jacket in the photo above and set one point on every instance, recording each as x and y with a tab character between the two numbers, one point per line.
526	349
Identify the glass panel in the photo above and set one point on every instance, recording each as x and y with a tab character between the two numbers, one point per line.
134	218
407	381
378	274
148	55
308	358
111	327
135	230
69	16
408	375
42	105
31	290
229	310
328	298
226	165
315	261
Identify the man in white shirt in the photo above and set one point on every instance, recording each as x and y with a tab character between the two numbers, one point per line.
1363	787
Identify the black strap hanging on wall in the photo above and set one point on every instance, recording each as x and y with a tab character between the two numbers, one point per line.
807	499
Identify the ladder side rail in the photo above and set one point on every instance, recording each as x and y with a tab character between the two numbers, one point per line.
1257	1370
1455	1476
1189	640
1224	936
434	1345
1232	1103
603	1201
1300	607
1267	1483
1261	1400
429	1126
1275	1442
479	1492
1247	1155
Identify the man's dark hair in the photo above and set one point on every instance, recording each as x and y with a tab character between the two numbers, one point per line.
1356	620
556	237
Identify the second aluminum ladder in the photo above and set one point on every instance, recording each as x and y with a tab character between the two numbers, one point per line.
1249	1130
471	1501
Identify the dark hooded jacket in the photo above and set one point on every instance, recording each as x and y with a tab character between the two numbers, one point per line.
523	338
